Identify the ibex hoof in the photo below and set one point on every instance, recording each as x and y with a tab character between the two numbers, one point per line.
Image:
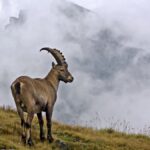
50	139
30	142
23	138
42	138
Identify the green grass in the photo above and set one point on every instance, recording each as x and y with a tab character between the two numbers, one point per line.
67	137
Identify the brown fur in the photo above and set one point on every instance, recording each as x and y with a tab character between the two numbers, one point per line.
36	95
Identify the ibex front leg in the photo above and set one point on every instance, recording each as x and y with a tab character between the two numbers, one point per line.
49	123
28	128
41	123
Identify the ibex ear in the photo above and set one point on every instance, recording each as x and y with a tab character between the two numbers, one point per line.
53	65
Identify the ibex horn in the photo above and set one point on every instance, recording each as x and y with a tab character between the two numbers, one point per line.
56	54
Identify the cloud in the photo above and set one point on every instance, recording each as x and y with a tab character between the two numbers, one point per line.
111	70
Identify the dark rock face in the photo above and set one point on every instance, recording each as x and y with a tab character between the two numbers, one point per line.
16	21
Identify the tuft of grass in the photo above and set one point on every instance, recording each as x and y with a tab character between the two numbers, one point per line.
67	137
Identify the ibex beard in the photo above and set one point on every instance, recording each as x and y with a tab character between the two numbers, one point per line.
36	95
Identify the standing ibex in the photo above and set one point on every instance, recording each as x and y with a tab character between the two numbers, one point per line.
37	95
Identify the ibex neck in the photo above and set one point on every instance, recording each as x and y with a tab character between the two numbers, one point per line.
53	79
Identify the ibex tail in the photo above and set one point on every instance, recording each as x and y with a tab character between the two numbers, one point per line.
16	88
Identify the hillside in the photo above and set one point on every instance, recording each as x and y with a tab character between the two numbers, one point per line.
67	137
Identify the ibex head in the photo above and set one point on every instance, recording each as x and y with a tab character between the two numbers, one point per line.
61	68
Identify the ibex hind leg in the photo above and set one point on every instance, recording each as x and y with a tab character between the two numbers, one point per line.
28	128
21	115
15	89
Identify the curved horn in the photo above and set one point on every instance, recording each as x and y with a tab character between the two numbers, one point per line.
57	55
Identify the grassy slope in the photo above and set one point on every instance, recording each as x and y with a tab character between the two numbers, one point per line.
67	137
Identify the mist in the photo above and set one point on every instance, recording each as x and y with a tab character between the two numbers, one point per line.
106	49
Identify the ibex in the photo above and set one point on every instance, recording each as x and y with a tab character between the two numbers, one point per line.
36	95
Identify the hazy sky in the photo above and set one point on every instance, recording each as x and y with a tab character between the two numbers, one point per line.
107	50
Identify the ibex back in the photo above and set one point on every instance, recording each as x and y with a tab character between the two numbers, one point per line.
36	95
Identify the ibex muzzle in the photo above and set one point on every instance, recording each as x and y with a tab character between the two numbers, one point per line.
37	95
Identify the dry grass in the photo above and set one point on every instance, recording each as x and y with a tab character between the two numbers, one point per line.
67	137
